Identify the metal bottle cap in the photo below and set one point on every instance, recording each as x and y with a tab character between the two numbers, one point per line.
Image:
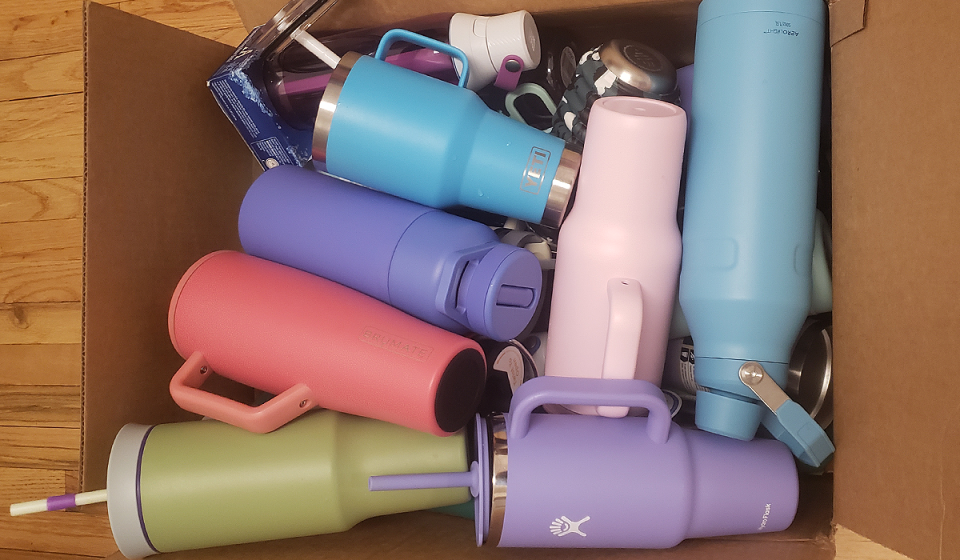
640	68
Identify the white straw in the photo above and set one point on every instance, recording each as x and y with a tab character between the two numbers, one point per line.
54	503
316	47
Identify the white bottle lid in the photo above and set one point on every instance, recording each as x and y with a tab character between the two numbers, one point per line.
488	40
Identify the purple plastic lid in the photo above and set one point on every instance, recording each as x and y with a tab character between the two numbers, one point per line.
500	293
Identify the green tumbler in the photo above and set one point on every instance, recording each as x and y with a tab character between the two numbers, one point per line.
200	484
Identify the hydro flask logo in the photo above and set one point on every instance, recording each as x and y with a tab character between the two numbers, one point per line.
562	526
536	168
395	344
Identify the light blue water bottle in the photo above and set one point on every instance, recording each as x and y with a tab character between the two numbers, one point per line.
751	194
436	143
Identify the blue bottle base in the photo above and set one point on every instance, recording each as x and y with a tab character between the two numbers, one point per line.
730	408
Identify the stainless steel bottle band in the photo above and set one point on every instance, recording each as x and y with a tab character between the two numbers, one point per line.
498	492
328	104
561	191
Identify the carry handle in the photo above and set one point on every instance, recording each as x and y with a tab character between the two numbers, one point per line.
625	311
394	35
584	391
281	409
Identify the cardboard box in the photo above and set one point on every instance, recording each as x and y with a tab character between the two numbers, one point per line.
165	174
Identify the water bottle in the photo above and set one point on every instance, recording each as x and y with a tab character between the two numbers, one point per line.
572	481
436	143
200	484
446	270
296	80
618	252
312	342
750	197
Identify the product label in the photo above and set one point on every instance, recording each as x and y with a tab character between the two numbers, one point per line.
535	170
766	516
782	28
395	344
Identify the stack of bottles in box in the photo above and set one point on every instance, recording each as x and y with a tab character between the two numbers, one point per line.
439	295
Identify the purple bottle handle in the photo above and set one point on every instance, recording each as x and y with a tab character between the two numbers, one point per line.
597	392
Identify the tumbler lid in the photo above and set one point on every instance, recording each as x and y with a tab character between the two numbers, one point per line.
488	40
500	293
123	490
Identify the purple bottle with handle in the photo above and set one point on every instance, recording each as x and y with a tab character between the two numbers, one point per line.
594	482
446	270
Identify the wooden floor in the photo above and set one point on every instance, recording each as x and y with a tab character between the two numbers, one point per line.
41	190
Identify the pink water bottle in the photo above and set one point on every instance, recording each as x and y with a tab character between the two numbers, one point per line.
313	342
618	252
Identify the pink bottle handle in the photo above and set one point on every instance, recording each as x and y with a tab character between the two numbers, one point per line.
625	299
587	391
281	409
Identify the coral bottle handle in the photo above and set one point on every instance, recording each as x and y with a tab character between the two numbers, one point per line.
584	391
394	35
186	392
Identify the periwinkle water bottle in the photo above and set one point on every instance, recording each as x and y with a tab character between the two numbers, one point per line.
438	144
200	484
750	196
446	270
618	252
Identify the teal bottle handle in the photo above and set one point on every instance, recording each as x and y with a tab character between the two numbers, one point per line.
394	35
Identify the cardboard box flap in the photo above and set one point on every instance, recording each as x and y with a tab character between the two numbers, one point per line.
896	126
165	174
846	18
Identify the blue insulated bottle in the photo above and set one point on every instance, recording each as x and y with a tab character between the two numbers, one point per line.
751	194
436	143
446	270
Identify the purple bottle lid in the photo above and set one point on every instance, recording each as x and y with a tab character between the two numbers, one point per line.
499	294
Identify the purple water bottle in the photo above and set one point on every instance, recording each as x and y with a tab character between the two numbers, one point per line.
449	271
593	482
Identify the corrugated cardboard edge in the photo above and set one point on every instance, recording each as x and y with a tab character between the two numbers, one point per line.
144	86
846	18
896	278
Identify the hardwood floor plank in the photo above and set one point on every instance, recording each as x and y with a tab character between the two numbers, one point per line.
43	75
56	281
42	158
232	36
42	199
40	364
39	27
206	18
8	554
47	407
63	532
24	485
40	323
41	241
41	117
40	448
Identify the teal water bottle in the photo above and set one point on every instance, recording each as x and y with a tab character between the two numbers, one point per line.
748	226
436	143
